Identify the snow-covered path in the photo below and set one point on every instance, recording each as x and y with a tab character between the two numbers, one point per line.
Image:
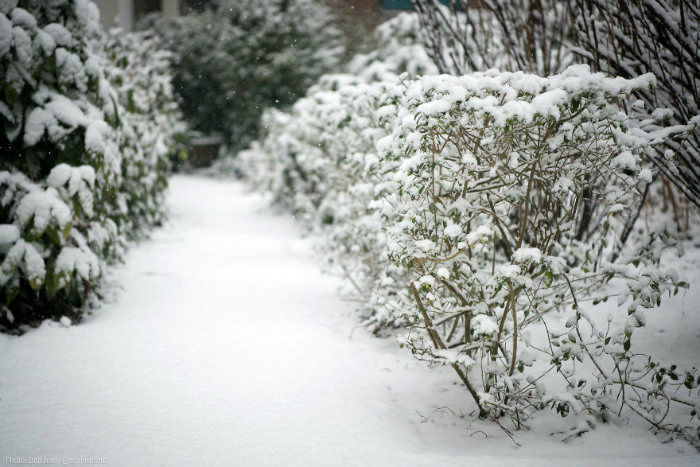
226	346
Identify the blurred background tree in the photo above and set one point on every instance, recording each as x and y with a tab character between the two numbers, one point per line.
232	59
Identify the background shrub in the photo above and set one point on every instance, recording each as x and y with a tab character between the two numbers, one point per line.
398	50
140	74
232	62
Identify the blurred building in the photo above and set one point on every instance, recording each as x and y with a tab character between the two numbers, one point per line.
382	7
125	13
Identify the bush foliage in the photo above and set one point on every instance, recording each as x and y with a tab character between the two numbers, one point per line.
233	61
82	170
502	242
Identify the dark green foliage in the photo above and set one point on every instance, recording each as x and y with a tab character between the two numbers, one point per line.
83	168
233	62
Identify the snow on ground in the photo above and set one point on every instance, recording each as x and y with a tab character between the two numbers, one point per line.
225	346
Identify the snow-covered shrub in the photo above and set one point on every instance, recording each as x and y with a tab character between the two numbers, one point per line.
288	160
232	62
292	137
75	177
620	37
398	50
504	261
140	74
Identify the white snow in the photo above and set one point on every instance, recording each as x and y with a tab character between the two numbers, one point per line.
21	17
5	35
47	43
8	234
226	346
23	45
625	160
435	107
37	121
41	207
59	175
481	234
453	230
65	110
483	324
425	245
547	103
6	6
453	356
34	263
60	34
443	273
82	260
645	175
95	136
527	254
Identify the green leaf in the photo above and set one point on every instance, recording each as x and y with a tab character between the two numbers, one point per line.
548	278
575	102
66	230
51	283
53	235
11	292
36	283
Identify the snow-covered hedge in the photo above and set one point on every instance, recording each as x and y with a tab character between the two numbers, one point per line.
505	249
80	173
139	72
242	56
398	50
482	212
